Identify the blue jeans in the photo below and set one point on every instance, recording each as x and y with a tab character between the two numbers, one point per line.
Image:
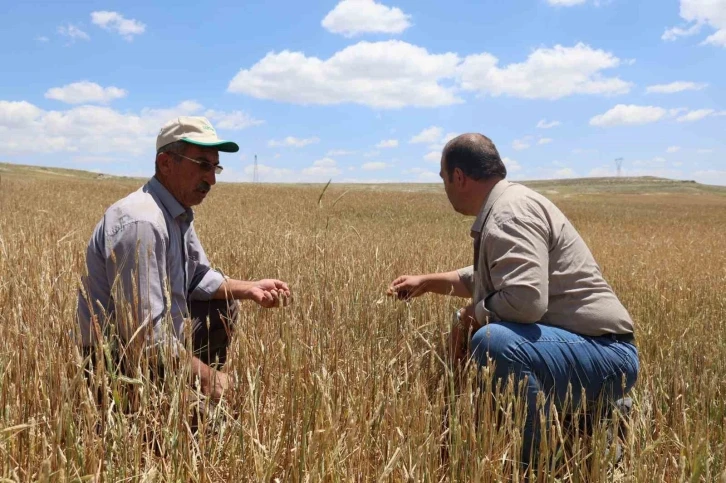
551	358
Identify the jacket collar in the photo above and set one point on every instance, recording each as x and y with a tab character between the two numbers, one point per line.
492	198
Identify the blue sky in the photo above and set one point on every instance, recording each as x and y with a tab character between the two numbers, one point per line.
361	90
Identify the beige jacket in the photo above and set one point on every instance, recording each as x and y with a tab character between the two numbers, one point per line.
533	266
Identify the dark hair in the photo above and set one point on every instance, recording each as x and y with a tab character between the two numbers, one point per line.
177	147
475	155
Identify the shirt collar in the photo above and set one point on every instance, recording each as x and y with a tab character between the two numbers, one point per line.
493	196
175	209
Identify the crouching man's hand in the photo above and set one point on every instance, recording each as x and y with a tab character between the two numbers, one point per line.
407	287
270	293
464	325
213	384
217	386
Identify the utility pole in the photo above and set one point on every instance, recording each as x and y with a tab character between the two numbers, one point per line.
255	173
619	166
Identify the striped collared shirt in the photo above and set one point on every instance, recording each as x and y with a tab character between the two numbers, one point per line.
145	255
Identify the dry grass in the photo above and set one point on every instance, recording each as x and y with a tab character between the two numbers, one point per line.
346	385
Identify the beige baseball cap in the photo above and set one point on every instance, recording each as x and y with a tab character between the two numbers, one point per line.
194	130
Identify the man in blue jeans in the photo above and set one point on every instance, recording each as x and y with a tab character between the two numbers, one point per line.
541	309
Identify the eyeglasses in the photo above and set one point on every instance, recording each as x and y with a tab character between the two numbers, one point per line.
206	165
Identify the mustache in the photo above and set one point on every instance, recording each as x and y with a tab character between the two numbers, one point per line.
204	186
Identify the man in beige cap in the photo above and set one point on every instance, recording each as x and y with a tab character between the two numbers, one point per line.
145	260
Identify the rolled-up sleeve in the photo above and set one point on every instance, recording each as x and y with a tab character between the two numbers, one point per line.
209	282
518	259
466	275
205	281
136	271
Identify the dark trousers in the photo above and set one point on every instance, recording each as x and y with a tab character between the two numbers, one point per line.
213	324
212	328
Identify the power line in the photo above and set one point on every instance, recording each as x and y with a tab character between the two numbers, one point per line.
619	166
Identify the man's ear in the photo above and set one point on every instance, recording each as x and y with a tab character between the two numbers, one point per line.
163	161
459	177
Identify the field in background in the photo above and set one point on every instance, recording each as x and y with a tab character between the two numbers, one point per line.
347	385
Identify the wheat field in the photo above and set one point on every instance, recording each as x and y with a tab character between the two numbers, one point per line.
346	384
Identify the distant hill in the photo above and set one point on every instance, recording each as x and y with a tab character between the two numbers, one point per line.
640	184
41	171
635	185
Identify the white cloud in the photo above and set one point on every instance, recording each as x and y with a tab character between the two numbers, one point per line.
656	162
448	137
394	74
85	92
438	146
548	73
696	115
565	3
673	149
234	121
355	17
718	39
320	171
423	175
704	151
527	141
388	143
433	156
700	13
325	167
543	124
73	32
375	166
267	173
42	38
628	115
521	144
291	141
371	154
674	87
339	152
91	130
512	165
565	173
114	21
602	172
18	114
428	135
675	32
710	176
387	75
546	172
